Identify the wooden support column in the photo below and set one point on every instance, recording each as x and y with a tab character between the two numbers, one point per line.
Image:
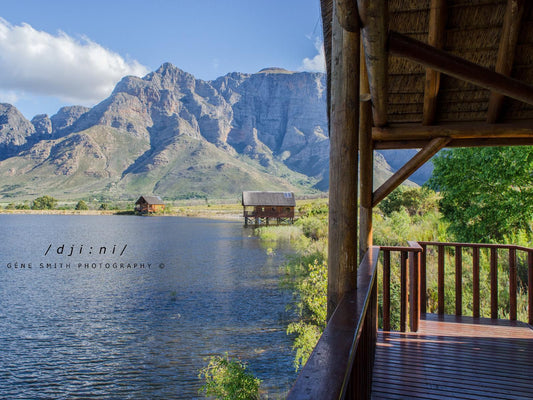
342	248
436	38
366	165
374	19
411	166
506	52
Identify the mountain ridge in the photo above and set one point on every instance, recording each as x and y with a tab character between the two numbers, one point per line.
171	134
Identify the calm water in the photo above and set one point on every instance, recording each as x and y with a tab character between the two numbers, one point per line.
94	328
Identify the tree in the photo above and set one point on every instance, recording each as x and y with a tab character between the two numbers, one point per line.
415	200
487	193
81	205
44	203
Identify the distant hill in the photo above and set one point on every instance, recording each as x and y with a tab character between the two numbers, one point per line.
176	136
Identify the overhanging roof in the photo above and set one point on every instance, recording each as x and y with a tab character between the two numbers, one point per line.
461	69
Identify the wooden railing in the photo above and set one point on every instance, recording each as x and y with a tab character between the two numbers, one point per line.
410	291
475	248
413	281
341	365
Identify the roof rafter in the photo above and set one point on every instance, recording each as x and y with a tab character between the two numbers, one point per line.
374	20
424	54
506	52
436	38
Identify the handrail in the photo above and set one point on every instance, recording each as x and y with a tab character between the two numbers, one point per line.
513	285
480	245
340	366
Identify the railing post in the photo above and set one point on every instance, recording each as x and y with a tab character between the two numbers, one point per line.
423	280
403	291
458	280
440	249
414	289
386	290
530	285
494	283
475	281
512	283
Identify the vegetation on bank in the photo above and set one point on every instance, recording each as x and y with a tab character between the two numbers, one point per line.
227	378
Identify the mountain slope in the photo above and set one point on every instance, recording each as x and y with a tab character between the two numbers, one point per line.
174	135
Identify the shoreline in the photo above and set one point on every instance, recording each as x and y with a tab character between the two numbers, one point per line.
190	213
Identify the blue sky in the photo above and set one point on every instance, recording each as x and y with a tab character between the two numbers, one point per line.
64	52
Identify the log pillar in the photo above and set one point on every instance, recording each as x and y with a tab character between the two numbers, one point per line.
344	122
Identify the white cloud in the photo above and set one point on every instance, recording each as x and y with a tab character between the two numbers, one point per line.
36	62
8	96
318	62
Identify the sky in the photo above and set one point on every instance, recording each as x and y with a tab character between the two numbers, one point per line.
56	53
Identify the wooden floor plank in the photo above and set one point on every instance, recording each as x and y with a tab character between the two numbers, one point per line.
455	358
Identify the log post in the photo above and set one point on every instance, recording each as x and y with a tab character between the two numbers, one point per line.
366	165
344	120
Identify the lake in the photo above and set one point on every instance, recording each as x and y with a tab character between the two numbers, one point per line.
126	307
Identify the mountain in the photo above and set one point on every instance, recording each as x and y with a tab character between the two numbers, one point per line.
171	134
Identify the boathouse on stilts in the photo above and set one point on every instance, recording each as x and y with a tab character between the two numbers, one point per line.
268	207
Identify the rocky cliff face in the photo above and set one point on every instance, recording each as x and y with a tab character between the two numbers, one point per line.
15	130
171	133
275	119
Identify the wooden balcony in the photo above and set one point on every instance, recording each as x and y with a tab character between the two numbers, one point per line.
443	356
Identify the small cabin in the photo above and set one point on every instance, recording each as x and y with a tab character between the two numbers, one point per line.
263	207
149	204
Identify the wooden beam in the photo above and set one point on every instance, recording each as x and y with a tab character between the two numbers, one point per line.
411	166
348	15
366	172
424	54
506	52
522	129
366	162
342	247
436	38
374	19
417	144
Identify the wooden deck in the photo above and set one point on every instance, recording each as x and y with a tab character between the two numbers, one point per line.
455	358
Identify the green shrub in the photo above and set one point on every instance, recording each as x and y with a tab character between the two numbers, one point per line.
81	205
44	203
227	379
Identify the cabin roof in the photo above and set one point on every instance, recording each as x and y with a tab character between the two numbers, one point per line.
150	200
412	103
257	198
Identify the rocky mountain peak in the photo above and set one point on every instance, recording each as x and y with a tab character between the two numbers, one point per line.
43	125
275	70
15	129
65	118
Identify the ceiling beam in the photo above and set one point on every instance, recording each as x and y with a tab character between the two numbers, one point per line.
374	19
506	53
483	142
408	169
407	132
436	38
424	54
